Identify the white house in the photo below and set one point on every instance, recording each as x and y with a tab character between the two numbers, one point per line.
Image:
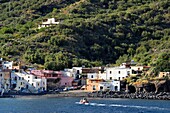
77	70
68	72
117	73
47	23
24	81
74	72
104	86
109	86
7	65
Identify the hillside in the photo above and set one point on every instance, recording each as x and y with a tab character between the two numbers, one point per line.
91	32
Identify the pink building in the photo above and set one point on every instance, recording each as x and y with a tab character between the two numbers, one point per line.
54	75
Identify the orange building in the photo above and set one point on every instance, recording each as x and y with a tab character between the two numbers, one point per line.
93	84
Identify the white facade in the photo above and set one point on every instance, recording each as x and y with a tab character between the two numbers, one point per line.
28	81
137	68
102	75
109	86
117	73
48	22
4	81
68	72
104	86
115	85
7	65
77	70
92	76
73	72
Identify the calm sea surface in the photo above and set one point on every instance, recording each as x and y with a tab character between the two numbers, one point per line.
71	105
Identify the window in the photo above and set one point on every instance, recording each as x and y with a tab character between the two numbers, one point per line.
128	72
110	78
19	78
119	78
22	78
32	84
35	77
116	88
27	86
94	87
78	72
38	84
28	80
101	87
1	75
15	78
28	76
110	72
119	72
21	83
91	76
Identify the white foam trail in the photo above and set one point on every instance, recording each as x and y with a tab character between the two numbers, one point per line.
125	106
78	103
86	103
101	104
93	104
81	103
141	107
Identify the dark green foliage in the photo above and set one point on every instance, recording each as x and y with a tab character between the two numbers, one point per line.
90	33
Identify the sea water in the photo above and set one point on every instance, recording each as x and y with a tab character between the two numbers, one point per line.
72	105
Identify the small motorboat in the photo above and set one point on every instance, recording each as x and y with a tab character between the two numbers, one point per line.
84	101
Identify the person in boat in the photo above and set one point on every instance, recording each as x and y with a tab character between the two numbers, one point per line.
84	100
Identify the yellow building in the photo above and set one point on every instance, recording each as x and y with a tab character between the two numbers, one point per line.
163	74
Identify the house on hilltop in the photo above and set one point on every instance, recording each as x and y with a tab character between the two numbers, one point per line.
47	23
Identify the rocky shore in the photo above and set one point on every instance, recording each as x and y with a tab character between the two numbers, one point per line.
140	95
109	94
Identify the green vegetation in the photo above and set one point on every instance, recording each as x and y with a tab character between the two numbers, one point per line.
91	32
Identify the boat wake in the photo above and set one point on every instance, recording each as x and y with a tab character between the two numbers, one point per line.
139	107
125	106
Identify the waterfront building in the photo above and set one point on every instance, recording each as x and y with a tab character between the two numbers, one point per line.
93	84
115	85
22	81
55	79
75	72
109	86
118	73
5	80
104	86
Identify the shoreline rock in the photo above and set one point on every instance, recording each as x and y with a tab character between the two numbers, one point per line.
109	94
